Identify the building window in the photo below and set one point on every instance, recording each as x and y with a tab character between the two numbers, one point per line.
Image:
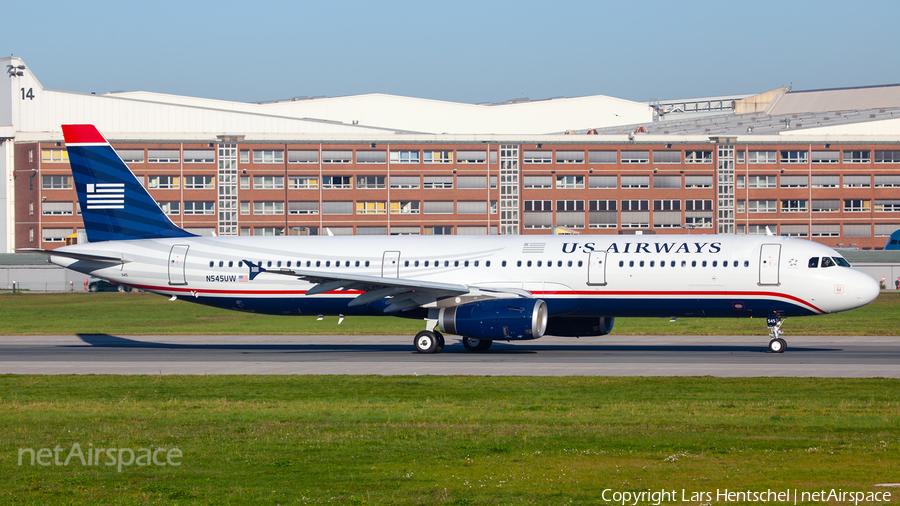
569	156
887	181
857	181
635	157
171	208
666	213
370	182
404	182
537	156
403	156
826	181
794	181
602	214
698	205
405	207
31	208
857	156
762	182
739	181
538	214
667	182
762	157
570	213
536	182
337	182
857	205
370	208
887	156
199	155
794	206
471	207
303	183
886	229
438	156
471	182
704	181
762	206
605	182
54	156
163	156
55	234
825	206
698	157
438	183
245	182
268	231
791	156
245	156
741	206
471	156
887	206
337	156
245	208
826	230
194	208
268	182
52	208
303	156
795	230
825	156
303	208
438	207
569	182
199	182
857	230
635	181
438	230
131	155
268	207
164	182
330	208
635	214
56	182
602	157
667	205
666	156
268	156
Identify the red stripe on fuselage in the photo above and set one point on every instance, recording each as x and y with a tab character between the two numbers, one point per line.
597	294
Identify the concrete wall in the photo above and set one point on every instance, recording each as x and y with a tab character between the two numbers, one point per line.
41	278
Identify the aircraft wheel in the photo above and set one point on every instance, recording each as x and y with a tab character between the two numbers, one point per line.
426	342
473	344
440	340
777	345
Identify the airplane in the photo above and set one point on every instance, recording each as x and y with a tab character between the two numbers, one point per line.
482	288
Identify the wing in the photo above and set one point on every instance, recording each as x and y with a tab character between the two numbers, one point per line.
404	293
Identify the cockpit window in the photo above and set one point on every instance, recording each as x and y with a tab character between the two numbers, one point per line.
827	262
813	262
841	261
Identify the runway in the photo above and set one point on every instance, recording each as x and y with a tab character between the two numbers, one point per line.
722	356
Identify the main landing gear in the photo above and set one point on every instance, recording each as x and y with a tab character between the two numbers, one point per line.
429	341
474	344
776	343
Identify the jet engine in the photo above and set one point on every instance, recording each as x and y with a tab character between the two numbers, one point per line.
577	326
496	319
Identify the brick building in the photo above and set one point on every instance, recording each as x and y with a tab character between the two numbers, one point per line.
828	170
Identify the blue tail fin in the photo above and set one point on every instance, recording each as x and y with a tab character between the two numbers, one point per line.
114	205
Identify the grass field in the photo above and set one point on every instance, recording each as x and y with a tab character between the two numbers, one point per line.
135	314
445	440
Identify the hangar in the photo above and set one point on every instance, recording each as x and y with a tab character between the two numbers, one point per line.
819	164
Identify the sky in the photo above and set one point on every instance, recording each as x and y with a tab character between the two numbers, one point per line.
462	51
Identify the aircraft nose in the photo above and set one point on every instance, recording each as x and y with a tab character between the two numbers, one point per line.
867	289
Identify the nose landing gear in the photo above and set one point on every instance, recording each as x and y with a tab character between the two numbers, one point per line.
776	343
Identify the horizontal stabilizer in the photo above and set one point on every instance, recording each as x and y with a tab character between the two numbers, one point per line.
77	256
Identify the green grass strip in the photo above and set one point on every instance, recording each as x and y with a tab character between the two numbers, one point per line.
445	440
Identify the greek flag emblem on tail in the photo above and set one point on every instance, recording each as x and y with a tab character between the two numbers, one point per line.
114	204
105	195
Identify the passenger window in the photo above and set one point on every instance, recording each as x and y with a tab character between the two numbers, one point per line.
406	264
813	262
231	264
704	263
684	263
269	264
279	263
487	263
446	263
662	264
693	263
715	263
642	263
502	264
725	263
416	263
529	263
579	263
357	263
827	262
367	263
211	263
746	263
631	263
221	263
570	263
672	263
621	263
426	263
519	263
466	263
241	263
476	263
539	263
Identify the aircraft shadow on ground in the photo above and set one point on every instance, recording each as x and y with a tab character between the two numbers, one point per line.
111	341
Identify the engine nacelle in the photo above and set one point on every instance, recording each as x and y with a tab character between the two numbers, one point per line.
496	319
577	326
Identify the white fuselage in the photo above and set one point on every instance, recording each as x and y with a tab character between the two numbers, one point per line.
599	275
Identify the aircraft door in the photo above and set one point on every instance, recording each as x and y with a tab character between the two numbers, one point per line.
177	257
597	268
390	264
769	260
